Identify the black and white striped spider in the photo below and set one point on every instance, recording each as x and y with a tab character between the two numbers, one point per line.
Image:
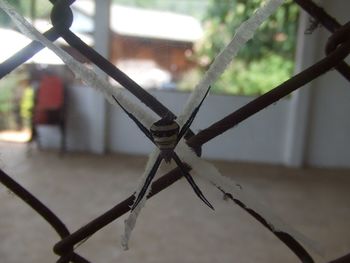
166	134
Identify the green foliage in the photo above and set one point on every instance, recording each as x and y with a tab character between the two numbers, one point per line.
4	19
264	62
42	10
7	85
278	33
15	94
256	77
27	104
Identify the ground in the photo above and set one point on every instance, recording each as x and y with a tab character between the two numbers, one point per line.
175	226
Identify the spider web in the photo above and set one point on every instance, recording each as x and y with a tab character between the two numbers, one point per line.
263	215
243	34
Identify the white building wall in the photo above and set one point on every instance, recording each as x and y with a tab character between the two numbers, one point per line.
329	133
259	139
312	128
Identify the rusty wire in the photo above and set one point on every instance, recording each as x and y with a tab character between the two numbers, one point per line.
337	49
330	23
41	209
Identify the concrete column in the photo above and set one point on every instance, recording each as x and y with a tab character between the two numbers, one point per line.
98	102
102	34
298	115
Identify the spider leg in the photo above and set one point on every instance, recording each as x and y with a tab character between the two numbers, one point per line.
188	123
190	180
138	123
148	181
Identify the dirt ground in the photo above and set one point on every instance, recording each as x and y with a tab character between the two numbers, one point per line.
174	226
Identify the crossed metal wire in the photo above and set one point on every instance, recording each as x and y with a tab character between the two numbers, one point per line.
337	49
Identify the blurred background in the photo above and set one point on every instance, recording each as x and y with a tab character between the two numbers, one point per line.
294	155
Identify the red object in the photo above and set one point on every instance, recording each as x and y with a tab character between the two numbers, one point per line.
49	108
49	101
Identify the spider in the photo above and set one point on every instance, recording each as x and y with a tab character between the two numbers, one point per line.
166	134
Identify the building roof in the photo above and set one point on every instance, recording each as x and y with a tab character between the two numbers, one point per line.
139	22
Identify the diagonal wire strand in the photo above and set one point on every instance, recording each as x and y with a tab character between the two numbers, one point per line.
332	59
165	181
40	208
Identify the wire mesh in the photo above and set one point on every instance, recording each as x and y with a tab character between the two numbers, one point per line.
337	49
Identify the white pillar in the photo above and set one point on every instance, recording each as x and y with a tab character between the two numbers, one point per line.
299	110
98	102
102	34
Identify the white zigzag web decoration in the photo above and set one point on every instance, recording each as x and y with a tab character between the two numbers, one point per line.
146	118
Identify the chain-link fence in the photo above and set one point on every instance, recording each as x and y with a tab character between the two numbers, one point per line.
336	50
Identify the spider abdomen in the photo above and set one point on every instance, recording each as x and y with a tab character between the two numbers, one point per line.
165	134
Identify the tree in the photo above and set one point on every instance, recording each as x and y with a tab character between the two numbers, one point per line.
265	61
5	21
42	10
